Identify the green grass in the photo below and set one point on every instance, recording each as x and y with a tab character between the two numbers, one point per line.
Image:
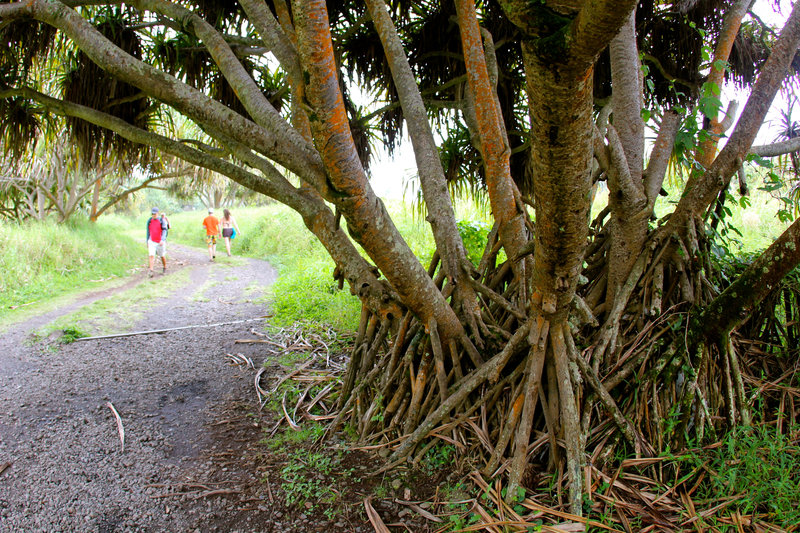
44	260
119	312
761	465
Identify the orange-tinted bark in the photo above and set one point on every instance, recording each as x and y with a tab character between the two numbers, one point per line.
367	219
495	151
733	21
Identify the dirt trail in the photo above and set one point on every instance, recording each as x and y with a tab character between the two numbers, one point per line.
187	414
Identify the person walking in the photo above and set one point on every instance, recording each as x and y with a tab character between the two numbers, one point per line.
155	241
228	227
164	227
211	223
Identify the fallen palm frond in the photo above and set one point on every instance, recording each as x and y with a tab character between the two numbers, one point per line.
315	378
165	330
120	428
238	359
375	518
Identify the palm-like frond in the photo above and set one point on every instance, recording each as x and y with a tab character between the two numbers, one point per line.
184	57
23	41
20	126
219	13
671	39
749	52
87	84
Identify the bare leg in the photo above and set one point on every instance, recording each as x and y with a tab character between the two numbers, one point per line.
228	245
150	263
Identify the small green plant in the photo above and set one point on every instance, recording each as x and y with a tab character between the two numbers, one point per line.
71	334
381	492
309	432
437	457
760	464
303	479
474	234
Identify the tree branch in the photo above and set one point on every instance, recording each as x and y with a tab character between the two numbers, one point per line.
620	178
735	304
281	144
595	26
776	149
659	156
702	188
432	178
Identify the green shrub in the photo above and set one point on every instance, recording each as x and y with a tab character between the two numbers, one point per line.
474	234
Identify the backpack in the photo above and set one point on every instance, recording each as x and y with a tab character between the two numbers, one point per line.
164	222
155	231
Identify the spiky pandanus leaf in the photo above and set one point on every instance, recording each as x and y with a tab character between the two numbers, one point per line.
461	163
23	41
276	88
20	126
749	52
219	13
87	84
184	57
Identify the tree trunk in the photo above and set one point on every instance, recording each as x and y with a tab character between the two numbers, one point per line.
627	199
93	214
731	308
368	221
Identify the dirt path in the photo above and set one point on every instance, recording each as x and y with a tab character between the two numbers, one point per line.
187	413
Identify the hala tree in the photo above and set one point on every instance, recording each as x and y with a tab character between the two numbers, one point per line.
546	99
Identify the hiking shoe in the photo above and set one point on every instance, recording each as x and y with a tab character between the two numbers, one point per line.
164	270
150	275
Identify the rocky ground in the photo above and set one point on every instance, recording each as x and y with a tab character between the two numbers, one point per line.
194	457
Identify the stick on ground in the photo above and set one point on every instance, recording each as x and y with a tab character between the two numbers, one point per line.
120	428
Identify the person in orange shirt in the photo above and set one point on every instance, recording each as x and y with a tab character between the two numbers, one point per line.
211	223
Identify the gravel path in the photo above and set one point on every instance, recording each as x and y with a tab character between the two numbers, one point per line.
183	407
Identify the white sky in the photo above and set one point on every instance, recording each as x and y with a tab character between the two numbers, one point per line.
391	173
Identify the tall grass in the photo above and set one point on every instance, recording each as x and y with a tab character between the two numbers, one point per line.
41	260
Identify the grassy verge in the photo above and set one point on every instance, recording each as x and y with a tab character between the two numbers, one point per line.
119	312
44	260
